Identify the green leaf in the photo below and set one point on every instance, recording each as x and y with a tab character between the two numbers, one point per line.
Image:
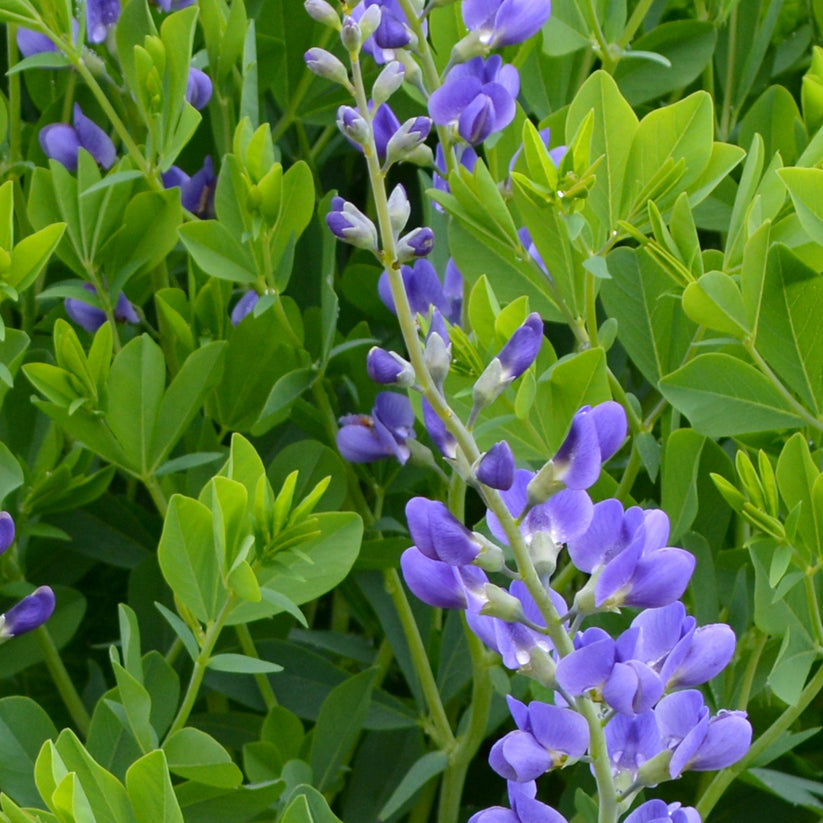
24	726
150	790
195	755
615	125
723	396
188	461
31	254
11	474
715	301
242	664
338	725
797	791
427	767
796	477
283	393
804	188
217	252
137	703
181	630
188	560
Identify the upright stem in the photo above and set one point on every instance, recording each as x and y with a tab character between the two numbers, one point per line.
635	21
61	678
250	650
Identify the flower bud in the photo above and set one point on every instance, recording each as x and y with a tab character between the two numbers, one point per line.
30	613
370	20
416	243
388	82
407	138
322	12
412	72
324	64
523	347
491	557
544	553
399	208
389	368
543	485
349	224
245	306
353	125
351	35
6	531
198	89
496	467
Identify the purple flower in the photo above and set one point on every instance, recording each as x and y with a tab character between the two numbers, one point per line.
700	743
388	368
32	611
505	22
174	5
438	534
631	741
33	42
656	811
244	307
547	737
442	437
424	290
62	142
393	32
197	191
439	584
496	467
363	438
199	88
522	348
385	125
101	15
416	243
525	808
477	98
91	317
563	517
7	531
595	435
349	224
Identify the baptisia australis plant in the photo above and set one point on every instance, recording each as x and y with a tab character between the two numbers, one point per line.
627	705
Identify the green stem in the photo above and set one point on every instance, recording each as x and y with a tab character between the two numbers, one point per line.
606	59
629	474
814	606
723	779
751	669
468	744
635	21
250	650
443	735
198	672
152	484
726	116
62	680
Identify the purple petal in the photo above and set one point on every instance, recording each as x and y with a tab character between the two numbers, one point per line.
578	458
677	715
660	631
529	810
86	316
101	15
124	311
660	578
359	443
518	756
33	42
431	581
631	741
587	667
709	651
198	88
610	420
438	534
60	142
496	468
32	611
244	307
728	738
602	540
632	688
522	348
93	139
7	531
442	437
559	730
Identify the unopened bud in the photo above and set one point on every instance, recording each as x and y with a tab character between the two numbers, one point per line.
348	223
470	46
324	64
370	20
544	552
351	35
488	387
388	82
353	125
399	208
543	485
322	12
491	557
437	355
389	368
407	138
496	468
501	604
656	769
416	243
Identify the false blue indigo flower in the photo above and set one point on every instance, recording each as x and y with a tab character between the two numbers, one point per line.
389	368
700	743
595	435
632	741
197	191
505	22
564	517
438	533
385	125
440	585
101	15
525	808
91	317
244	307
417	243
392	33
32	611
496	467
363	438
33	42
547	737
440	435
349	224
477	98
407	142
324	64
7	531
198	88
522	348
63	142
352	125
388	81
657	811
424	290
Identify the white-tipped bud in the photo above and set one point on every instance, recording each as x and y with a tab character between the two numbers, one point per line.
499	603
351	36
322	12
416	243
353	125
543	485
407	138
544	552
474	44
412	73
399	209
324	64
488	387
388	82
437	355
491	557
370	21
